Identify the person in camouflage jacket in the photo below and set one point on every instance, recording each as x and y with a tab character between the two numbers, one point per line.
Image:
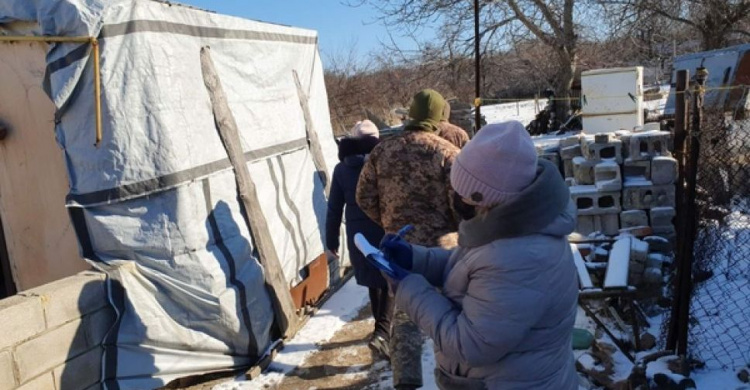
406	179
452	133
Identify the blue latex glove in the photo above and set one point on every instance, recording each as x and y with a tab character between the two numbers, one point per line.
397	250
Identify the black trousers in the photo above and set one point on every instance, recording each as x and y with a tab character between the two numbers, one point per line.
382	311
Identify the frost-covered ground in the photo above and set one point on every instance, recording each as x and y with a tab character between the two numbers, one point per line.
523	111
720	306
331	319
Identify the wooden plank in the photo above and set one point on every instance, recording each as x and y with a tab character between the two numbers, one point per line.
619	262
583	273
226	125
313	141
41	242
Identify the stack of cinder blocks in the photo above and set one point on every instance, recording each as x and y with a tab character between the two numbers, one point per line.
592	169
620	182
650	173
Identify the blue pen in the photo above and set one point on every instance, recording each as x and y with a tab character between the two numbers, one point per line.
405	230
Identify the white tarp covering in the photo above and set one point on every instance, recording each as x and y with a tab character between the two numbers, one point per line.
156	205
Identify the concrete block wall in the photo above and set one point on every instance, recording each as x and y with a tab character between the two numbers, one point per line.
620	182
51	336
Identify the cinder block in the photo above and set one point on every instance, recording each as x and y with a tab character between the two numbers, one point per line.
70	298
44	382
665	231
652	276
633	218
635	268
568	168
607	177
602	149
50	349
586	225
80	372
656	260
607	224
20	319
624	137
663	170
610	224
647	145
659	244
7	378
590	201
652	126
570	141
637	169
571	152
583	171
662	216
97	324
639	251
641	195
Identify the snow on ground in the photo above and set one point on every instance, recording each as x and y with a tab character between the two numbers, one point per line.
720	304
523	111
340	309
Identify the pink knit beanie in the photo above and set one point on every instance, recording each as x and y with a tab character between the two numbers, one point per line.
496	165
365	128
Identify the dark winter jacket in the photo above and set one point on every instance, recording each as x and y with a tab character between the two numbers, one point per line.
505	313
352	152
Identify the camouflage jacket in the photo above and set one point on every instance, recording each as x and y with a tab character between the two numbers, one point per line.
406	180
453	134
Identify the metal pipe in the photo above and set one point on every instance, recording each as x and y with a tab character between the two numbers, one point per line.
477	71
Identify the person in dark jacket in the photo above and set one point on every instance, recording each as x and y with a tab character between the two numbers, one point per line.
353	152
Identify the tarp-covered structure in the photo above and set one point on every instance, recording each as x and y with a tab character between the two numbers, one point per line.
155	204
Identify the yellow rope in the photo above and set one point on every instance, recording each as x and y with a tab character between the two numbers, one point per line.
513	100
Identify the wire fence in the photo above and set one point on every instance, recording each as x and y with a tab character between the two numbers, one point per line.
719	328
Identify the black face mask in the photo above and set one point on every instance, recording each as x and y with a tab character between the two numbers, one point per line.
464	210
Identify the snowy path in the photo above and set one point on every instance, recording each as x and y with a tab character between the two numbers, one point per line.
331	351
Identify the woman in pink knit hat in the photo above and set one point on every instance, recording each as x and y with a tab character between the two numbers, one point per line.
503	317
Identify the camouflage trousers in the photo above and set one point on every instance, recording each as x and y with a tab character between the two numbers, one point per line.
406	352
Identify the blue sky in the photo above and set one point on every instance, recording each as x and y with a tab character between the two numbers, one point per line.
339	26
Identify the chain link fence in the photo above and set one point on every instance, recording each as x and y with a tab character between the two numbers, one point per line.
719	328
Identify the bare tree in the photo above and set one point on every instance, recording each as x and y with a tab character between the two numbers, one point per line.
557	24
717	21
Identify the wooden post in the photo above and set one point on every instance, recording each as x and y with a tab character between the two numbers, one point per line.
313	142
680	132
226	125
477	71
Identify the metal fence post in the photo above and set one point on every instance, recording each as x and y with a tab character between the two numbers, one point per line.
690	221
679	134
